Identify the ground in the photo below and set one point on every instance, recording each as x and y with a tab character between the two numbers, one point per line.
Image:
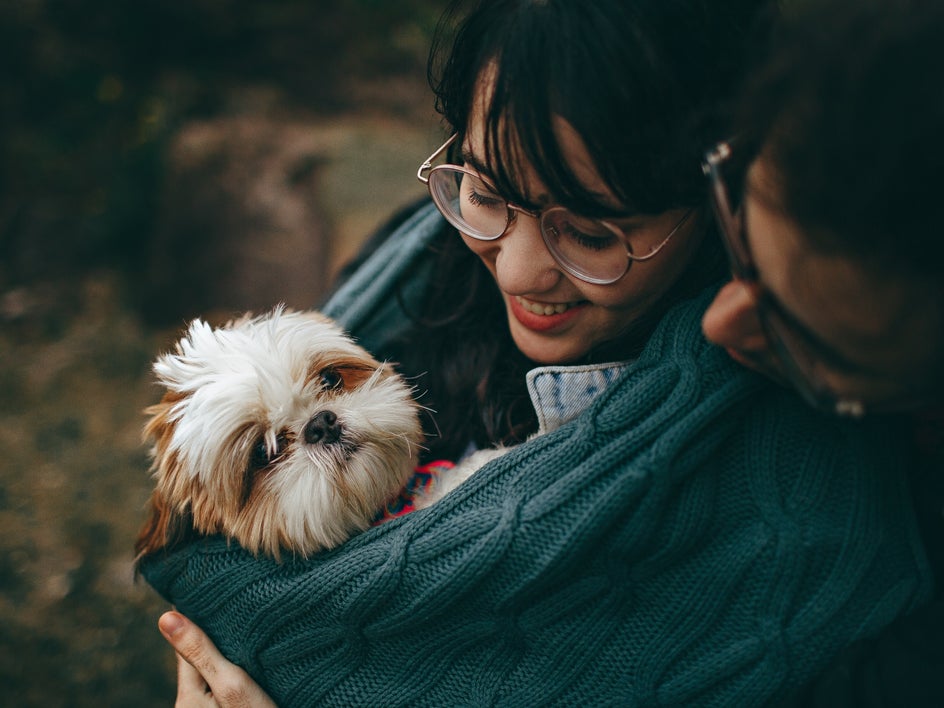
76	629
95	99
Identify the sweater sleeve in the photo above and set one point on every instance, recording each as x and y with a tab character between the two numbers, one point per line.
696	537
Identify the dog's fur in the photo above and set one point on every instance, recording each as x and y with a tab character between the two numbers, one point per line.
278	432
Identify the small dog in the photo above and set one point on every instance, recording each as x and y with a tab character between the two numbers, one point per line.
277	431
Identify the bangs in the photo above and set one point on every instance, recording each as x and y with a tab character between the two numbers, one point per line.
520	140
644	84
532	83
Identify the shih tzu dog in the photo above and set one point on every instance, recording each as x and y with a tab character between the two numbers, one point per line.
278	432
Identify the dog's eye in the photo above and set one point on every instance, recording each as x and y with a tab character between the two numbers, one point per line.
259	457
331	379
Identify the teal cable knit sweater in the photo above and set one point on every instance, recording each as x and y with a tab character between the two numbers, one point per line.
696	537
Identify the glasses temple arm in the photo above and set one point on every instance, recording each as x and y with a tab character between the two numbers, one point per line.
428	163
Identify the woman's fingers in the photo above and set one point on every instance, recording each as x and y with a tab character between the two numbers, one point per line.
204	676
192	690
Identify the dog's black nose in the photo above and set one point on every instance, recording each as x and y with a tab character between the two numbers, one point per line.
324	428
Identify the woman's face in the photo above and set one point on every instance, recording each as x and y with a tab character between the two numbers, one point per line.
872	334
554	317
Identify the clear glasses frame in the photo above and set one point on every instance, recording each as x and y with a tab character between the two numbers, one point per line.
795	354
550	220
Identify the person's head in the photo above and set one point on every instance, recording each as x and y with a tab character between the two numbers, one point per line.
589	119
833	179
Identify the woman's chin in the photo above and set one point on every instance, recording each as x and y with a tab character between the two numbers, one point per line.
546	349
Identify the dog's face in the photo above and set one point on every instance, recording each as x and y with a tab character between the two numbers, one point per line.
277	431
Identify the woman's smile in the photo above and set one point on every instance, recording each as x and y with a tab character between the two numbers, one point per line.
543	316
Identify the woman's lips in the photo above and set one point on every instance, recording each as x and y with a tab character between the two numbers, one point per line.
543	316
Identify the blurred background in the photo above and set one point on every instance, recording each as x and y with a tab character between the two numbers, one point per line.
162	159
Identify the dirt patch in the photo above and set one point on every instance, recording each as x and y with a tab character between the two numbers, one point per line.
99	236
75	627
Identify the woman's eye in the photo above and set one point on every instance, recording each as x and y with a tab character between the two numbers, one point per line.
479	194
475	199
590	241
331	379
482	200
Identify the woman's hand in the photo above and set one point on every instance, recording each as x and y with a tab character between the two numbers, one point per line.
204	677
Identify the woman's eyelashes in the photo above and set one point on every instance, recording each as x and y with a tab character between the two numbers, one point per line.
591	242
479	194
481	200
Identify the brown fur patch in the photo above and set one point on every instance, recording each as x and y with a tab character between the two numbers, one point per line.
353	371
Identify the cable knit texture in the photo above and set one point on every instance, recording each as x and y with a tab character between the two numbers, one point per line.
695	537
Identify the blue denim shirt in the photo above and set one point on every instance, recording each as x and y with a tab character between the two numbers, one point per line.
561	393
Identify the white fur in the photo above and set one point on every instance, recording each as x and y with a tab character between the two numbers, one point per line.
468	466
258	378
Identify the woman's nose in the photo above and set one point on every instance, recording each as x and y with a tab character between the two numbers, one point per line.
523	264
731	320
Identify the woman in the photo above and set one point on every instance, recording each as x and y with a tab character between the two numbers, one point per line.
681	531
839	267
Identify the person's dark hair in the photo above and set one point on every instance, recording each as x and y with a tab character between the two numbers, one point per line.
645	83
847	108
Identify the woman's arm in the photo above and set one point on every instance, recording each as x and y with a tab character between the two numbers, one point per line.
204	676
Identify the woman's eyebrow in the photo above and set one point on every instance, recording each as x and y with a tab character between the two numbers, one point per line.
477	164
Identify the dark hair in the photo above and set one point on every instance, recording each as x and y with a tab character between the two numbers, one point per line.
645	84
847	108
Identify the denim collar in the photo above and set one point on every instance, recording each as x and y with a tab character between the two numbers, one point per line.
561	393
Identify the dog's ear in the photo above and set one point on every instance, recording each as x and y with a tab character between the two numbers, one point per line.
160	423
176	368
164	529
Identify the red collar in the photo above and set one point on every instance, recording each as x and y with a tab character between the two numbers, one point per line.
405	502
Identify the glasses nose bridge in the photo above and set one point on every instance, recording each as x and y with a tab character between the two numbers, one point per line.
514	210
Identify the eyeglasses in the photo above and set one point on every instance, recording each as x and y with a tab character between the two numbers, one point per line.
592	250
801	360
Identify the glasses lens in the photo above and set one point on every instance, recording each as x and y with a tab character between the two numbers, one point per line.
800	364
588	248
730	220
468	203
